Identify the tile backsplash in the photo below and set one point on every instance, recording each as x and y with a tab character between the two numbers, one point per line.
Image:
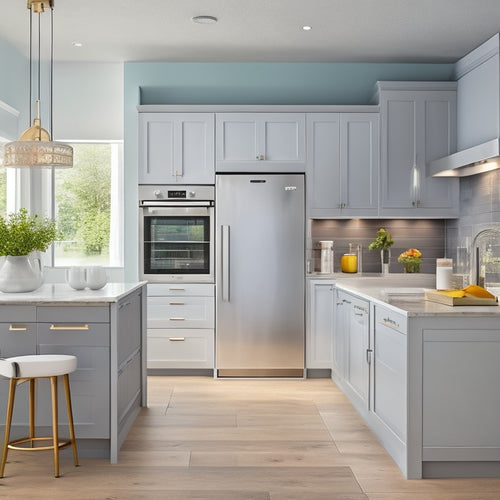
429	236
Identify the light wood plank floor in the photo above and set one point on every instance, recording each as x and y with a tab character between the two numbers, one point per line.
210	439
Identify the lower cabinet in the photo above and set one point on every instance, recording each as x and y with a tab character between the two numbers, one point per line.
357	353
109	385
389	367
351	352
181	326
320	324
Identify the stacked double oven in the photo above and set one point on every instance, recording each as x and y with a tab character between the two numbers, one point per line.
176	257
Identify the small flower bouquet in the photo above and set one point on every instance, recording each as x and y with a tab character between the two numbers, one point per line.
411	260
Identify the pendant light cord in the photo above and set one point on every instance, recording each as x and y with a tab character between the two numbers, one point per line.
31	68
51	69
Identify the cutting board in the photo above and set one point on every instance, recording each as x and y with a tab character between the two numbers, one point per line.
435	296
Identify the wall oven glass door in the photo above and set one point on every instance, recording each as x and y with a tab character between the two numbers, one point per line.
177	244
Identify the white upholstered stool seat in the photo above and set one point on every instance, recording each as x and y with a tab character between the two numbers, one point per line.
42	365
21	369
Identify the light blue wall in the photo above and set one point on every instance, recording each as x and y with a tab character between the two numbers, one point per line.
245	83
14	85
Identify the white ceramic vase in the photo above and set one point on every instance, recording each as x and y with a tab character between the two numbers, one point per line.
19	274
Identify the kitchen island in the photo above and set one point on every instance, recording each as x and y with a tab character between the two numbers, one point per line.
422	374
106	330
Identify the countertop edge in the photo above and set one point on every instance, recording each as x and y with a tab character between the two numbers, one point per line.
53	294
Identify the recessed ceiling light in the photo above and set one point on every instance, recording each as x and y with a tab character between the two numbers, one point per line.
77	44
307	28
204	19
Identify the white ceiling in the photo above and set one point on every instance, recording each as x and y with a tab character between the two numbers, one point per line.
261	30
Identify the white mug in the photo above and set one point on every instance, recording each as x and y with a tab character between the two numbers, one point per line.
96	277
76	277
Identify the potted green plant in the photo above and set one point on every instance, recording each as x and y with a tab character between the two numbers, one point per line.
20	235
383	241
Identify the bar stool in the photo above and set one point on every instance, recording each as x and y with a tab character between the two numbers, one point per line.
20	369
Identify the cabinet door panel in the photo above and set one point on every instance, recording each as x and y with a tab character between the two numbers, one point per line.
323	166
360	158
17	342
321	324
236	139
89	391
282	140
389	401
400	154
438	192
194	150
357	368
129	326
156	148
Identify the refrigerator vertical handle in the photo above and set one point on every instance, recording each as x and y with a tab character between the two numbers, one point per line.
225	263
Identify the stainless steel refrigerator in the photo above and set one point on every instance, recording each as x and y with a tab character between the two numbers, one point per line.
260	275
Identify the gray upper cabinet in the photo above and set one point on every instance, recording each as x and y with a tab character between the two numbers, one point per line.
176	148
260	142
343	164
418	125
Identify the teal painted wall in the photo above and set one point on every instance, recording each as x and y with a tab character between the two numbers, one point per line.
245	83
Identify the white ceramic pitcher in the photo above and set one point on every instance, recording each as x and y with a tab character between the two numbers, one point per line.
20	274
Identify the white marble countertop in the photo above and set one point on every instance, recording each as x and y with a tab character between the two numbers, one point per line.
63	294
405	294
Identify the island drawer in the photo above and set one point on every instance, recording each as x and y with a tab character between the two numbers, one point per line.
17	314
73	314
72	333
390	319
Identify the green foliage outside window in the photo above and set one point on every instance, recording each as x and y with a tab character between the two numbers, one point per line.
83	200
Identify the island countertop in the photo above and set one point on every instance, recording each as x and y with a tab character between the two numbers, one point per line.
62	293
405	294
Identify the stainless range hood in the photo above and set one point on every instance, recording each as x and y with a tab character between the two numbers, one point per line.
478	159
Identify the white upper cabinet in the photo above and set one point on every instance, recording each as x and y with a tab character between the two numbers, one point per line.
260	142
176	148
418	125
343	164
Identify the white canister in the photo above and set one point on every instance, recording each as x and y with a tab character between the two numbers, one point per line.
326	257
76	277
96	277
444	274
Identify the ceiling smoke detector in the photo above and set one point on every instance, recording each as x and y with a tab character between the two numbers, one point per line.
204	19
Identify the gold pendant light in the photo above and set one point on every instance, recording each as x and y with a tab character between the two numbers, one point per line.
35	149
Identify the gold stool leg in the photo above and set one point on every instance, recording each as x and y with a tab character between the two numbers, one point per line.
8	421
32	410
55	433
70	418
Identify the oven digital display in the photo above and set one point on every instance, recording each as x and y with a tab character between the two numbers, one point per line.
177	194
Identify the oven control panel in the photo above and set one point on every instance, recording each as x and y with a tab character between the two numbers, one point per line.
176	193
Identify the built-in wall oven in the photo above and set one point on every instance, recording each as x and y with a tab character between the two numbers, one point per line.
176	234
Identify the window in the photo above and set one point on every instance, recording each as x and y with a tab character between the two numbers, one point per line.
88	206
7	184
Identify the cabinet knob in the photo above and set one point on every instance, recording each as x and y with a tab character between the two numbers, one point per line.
260	157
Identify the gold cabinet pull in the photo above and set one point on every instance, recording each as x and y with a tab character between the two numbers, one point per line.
17	328
176	319
176	339
69	327
176	303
